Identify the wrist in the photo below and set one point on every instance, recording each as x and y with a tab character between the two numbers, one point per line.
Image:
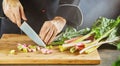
11	3
11	0
59	23
59	20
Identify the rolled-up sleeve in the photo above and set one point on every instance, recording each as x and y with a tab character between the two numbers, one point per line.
69	9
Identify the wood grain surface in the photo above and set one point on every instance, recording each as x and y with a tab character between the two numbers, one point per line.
9	42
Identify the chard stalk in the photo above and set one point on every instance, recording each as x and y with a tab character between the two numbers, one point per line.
67	46
94	45
83	37
105	35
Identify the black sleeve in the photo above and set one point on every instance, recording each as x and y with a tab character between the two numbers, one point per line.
69	9
0	15
1	11
0	7
74	2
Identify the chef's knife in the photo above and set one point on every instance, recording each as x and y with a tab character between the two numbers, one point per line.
32	34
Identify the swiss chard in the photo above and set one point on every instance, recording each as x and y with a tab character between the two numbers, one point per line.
69	33
104	30
107	33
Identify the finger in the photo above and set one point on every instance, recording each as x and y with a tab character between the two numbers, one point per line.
53	36
8	12
49	35
44	30
11	17
17	16
22	13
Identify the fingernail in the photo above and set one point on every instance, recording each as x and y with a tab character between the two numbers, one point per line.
24	18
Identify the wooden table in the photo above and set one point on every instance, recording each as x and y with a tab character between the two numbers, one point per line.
9	42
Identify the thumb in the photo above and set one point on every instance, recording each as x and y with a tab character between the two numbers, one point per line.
23	13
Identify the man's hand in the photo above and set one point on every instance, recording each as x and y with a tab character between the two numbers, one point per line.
51	28
14	11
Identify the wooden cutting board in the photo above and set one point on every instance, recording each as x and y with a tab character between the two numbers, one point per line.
9	42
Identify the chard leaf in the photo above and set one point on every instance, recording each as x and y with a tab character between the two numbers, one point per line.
102	25
118	46
69	33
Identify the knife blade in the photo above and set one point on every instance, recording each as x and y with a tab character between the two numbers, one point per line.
32	34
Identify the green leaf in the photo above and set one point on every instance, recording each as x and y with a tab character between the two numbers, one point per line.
69	33
118	46
102	25
116	63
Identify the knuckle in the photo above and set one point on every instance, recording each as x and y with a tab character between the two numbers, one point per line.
6	11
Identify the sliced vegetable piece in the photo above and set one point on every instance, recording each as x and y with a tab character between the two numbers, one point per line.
25	50
38	48
80	46
72	50
49	47
20	46
12	52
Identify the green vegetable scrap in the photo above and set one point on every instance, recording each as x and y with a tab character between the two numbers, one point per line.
25	50
72	50
49	47
12	52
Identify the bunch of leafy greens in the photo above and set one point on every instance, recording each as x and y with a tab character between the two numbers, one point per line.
69	33
115	35
104	30
101	28
113	38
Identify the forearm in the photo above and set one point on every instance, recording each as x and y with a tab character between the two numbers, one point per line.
59	21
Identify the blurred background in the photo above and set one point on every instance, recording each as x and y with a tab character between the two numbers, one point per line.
92	9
